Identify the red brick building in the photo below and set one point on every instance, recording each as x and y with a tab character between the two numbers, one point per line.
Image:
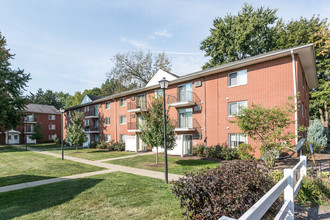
46	116
201	103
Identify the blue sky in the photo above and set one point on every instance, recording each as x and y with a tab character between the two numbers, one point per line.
67	45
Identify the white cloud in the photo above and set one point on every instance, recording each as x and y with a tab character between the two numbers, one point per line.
163	33
135	43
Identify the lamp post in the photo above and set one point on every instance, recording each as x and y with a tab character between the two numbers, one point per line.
62	110
164	85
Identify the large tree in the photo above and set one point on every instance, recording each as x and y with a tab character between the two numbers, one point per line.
235	37
75	132
12	86
47	97
135	69
152	131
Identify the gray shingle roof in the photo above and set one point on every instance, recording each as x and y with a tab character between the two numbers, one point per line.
37	108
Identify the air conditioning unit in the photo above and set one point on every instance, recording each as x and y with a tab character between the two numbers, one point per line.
197	136
198	108
198	83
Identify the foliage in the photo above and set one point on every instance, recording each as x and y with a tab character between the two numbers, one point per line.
135	69
75	132
229	189
46	98
314	191
245	151
276	176
56	139
316	148
152	132
235	37
37	135
269	153
199	150
12	86
101	145
317	134
111	146
219	151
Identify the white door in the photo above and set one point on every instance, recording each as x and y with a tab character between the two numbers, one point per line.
86	144
142	145
13	138
187	144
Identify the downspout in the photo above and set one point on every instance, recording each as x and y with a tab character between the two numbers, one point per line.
295	94
115	118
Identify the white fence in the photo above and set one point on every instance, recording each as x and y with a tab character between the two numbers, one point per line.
286	185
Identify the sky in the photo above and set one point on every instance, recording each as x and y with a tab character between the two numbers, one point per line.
68	45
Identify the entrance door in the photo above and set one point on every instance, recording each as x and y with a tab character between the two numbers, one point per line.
86	144
187	144
141	145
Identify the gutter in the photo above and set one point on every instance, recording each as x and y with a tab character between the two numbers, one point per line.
295	94
115	118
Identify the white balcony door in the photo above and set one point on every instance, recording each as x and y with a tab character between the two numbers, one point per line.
185	118
185	92
187	143
141	101
140	122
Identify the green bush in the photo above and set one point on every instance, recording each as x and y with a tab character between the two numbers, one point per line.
245	151
316	148
314	191
230	189
93	144
101	145
199	150
118	146
317	134
269	153
210	152
229	153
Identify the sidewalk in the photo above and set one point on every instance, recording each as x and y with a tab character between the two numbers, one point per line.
110	168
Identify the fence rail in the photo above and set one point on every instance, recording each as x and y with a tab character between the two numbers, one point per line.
286	185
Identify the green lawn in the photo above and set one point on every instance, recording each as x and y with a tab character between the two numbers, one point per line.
176	165
85	153
19	166
107	196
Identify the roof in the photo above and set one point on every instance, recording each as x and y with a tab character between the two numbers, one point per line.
93	97
160	74
306	54
37	108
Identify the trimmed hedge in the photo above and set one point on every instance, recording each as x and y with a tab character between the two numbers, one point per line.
220	151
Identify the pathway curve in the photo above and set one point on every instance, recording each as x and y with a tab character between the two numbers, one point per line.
109	168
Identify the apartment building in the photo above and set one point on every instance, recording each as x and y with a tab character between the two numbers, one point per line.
46	116
202	103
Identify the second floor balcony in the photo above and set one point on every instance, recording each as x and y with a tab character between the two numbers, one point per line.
29	119
29	130
186	99
135	127
91	129
91	114
187	124
137	106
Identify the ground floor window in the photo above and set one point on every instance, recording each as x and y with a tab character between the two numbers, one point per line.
107	137
237	139
15	137
51	137
122	138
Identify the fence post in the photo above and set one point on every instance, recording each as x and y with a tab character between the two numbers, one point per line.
289	193
303	169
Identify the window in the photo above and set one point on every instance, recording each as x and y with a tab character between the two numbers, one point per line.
235	107
107	121
86	122
51	137
122	102
158	93
107	138
51	117
86	109
107	105
237	78
185	92
141	101
122	138
185	118
29	128
237	139
51	127
15	137
29	118
122	119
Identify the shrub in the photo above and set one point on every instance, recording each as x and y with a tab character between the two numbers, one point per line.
118	146
314	191
269	153
210	152
316	148
199	150
93	144
56	139
317	133
245	151
229	189
228	153
101	145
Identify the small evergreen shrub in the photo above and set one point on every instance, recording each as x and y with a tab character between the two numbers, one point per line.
245	151
199	150
229	153
210	152
269	153
317	133
118	146
229	189
101	145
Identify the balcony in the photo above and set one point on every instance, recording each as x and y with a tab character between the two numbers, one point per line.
187	99
91	115
29	130
29	120
134	127
91	130
137	106
188	125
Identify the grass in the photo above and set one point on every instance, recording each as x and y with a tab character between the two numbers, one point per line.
176	165
107	196
19	166
85	153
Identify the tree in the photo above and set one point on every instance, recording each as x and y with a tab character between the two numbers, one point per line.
37	135
46	98
75	132
152	131
12	85
135	69
56	140
235	37
317	134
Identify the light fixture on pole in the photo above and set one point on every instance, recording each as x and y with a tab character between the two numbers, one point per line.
164	85
62	111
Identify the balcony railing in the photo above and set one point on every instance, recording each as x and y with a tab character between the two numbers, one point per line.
29	130
29	119
91	129
188	124
183	99
91	114
137	106
134	127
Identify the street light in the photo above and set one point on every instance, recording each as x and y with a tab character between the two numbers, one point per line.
62	110
164	85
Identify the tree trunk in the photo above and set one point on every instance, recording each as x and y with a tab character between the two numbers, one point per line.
156	155
326	113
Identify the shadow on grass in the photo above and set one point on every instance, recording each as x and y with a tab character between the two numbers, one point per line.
10	149
194	162
21	202
17	179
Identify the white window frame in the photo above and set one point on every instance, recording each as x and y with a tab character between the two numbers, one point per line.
51	137
120	119
86	122
107	136
86	109
158	93
105	121
239	73
107	105
121	102
51	117
51	127
237	142
238	105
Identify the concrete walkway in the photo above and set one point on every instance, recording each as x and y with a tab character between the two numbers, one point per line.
109	168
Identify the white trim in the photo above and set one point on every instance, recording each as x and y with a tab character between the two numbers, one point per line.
229	86
295	94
